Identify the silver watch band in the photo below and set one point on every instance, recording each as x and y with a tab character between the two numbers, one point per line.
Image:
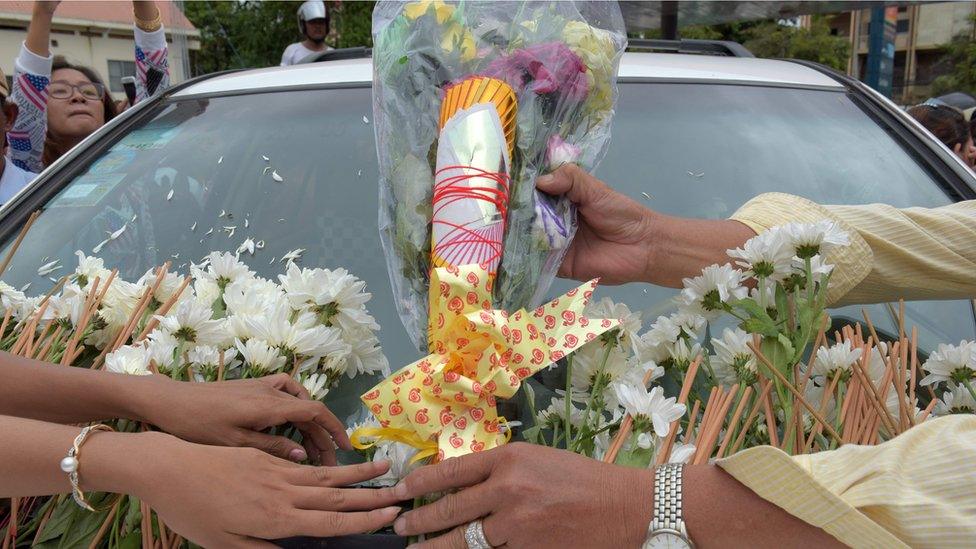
667	499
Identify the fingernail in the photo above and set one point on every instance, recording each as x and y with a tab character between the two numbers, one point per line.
399	526
297	455
400	490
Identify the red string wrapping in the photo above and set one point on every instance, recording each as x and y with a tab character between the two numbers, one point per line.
453	188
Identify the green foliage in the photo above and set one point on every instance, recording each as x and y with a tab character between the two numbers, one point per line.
253	33
960	54
770	39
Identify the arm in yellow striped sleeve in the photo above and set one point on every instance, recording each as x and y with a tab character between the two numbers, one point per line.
911	253
916	490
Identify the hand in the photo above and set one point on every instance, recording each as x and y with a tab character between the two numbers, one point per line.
234	413
530	495
236	497
614	235
46	7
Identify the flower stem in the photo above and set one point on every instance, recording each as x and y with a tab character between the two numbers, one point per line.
969	387
569	401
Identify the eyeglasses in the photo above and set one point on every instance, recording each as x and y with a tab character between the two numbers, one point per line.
64	90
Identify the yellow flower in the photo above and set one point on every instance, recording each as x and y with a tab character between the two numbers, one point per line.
597	50
442	11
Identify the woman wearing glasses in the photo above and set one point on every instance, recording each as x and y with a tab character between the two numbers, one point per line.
61	103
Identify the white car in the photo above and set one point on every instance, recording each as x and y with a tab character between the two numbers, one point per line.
694	135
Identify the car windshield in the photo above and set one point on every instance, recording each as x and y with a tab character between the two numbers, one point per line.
297	170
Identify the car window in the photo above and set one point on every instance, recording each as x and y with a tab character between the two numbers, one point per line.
703	150
297	169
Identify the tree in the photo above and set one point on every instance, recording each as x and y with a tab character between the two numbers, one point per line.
960	56
252	33
771	39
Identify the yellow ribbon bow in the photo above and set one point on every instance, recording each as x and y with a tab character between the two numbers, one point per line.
446	400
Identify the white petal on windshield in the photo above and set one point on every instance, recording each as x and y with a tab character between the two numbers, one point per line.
48	268
100	245
133	220
169	196
221	159
266	159
266	170
222	213
194	226
25	286
210	232
246	223
647	196
276	177
118	233
365	120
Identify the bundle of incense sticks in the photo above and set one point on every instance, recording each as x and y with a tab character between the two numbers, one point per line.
866	411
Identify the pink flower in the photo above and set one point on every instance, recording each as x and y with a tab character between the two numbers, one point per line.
559	152
544	69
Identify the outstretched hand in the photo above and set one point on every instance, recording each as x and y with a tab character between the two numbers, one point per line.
614	235
235	413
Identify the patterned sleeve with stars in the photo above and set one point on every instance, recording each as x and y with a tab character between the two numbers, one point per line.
32	74
152	63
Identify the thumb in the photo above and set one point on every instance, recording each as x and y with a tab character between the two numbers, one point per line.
282	447
580	187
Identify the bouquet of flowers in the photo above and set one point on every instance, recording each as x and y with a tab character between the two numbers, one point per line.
471	102
778	378
220	322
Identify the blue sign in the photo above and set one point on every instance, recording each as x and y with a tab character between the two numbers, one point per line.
882	32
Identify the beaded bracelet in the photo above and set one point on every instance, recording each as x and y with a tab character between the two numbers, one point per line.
71	462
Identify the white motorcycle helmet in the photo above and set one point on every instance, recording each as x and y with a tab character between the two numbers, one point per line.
311	9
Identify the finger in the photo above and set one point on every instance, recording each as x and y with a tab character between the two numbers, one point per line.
282	447
328	477
322	449
287	384
449	511
455	472
455	538
572	181
330	523
313	411
342	499
314	456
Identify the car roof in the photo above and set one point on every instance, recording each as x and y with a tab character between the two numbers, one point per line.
663	66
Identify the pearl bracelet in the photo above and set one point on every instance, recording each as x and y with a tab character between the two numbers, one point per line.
71	462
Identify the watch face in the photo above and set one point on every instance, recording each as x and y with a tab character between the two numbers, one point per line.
666	540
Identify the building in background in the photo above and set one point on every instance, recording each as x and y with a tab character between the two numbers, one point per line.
99	35
922	32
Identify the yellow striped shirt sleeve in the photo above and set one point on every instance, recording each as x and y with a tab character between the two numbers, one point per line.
910	253
916	490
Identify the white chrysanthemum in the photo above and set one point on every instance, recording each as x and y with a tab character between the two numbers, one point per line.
587	361
208	356
630	321
301	336
556	413
767	298
681	453
810	239
10	297
649	406
128	360
161	347
365	355
223	268
837	358
260	356
717	285
337	297
601	443
205	291
193	322
684	353
89	268
767	255
70	305
951	362
120	301
734	362
315	385
170	284
957	400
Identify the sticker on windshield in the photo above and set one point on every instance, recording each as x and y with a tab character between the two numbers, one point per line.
145	139
116	160
87	190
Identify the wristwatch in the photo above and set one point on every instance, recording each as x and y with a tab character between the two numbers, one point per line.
667	529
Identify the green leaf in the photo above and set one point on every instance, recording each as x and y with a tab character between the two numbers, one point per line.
131	541
757	326
532	434
60	520
638	457
782	302
787	344
752	308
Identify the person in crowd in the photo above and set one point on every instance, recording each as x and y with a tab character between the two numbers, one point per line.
313	24
12	177
61	103
915	490
208	478
949	125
